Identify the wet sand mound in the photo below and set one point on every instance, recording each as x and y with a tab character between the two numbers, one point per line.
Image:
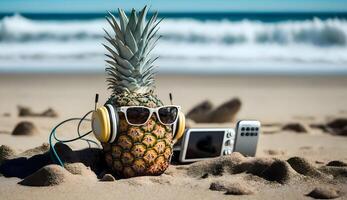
238	189
302	166
295	127
324	193
199	113
226	112
231	188
80	169
336	126
25	128
37	150
336	172
216	166
24	111
218	186
274	152
338	123
337	163
47	176
6	153
252	165
270	169
204	113
279	171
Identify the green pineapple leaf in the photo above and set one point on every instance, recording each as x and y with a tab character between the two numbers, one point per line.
130	65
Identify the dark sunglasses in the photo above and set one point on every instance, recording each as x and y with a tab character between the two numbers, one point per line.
139	115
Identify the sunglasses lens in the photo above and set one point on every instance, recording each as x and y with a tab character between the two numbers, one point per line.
137	115
168	114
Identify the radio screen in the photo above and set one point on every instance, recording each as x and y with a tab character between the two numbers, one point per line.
204	144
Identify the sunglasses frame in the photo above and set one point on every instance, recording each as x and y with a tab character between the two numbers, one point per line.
124	109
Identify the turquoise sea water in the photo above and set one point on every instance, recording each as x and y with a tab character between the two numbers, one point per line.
233	16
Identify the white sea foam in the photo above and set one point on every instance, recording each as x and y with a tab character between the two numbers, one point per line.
187	44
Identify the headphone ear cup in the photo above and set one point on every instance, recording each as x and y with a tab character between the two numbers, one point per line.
179	127
114	121
101	124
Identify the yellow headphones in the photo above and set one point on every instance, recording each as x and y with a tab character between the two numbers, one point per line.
179	127
105	124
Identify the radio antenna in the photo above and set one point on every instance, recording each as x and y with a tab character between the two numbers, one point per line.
170	95
96	100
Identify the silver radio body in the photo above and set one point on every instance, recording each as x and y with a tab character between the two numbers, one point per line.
205	143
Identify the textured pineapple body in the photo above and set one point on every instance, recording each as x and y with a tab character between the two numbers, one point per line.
139	150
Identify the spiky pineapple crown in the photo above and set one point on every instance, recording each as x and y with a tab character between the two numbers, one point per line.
130	64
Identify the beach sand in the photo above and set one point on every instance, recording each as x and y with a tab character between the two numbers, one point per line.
276	101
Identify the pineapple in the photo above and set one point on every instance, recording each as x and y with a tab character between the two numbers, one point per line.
137	150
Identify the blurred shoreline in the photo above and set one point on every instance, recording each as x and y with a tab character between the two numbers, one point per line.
264	97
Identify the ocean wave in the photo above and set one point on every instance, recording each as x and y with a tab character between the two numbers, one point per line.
330	32
187	44
317	32
20	29
177	52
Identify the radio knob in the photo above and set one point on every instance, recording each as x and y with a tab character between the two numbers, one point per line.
225	152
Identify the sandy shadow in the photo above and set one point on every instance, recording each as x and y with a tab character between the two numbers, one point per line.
22	167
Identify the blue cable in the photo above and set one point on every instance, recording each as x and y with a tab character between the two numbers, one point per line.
79	133
53	134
